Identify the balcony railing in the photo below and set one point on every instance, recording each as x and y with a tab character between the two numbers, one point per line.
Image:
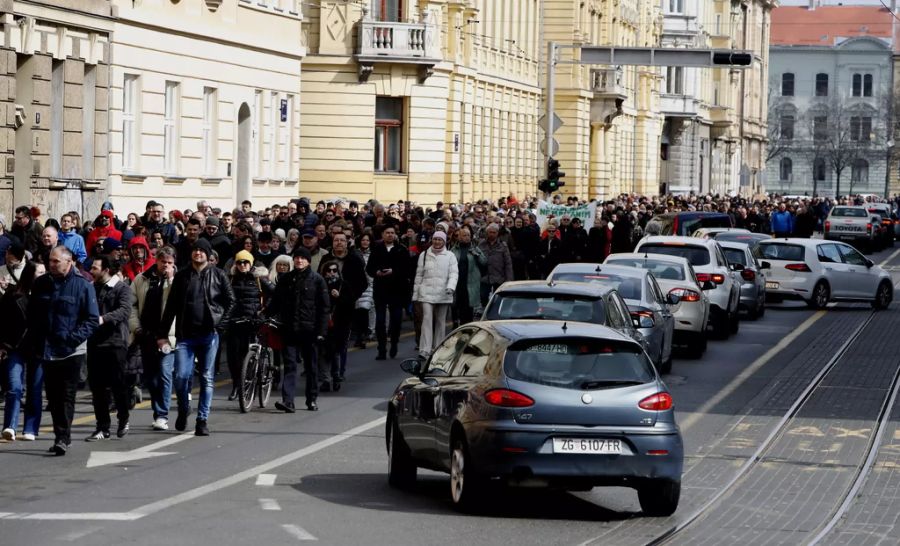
397	41
607	83
678	106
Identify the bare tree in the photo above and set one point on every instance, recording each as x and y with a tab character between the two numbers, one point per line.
779	135
839	138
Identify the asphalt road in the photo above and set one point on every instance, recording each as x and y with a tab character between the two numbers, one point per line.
271	478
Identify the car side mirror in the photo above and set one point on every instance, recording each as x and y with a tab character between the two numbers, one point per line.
636	322
412	366
765	265
737	267
869	263
673	299
708	285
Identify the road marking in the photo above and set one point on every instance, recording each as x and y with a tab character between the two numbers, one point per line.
77	516
269	504
266	479
748	372
806	431
100	458
889	258
298	532
75	535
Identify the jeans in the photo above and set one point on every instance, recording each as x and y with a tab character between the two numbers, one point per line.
106	374
28	379
305	349
61	381
396	318
205	349
434	326
158	369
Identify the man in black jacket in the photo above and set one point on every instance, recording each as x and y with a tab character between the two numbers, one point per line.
219	241
201	299
388	267
107	348
301	306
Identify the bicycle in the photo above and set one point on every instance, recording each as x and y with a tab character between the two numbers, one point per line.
258	367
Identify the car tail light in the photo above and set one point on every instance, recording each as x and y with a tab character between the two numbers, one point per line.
896	222
717	278
644	319
660	401
703	277
885	222
748	274
685	294
827	226
658	452
798	267
506	398
869	227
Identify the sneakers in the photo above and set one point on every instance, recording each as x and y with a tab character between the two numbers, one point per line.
160	424
96	436
393	353
312	406
181	421
233	396
202	429
59	448
287	408
122	430
9	435
29	437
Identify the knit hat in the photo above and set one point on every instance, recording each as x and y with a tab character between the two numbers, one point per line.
309	233
212	221
302	252
203	244
110	244
107	205
280	234
243	256
440	235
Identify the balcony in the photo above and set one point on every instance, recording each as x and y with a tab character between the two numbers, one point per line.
680	25
678	106
609	94
394	42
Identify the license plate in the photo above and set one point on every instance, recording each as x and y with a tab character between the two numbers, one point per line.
591	446
772	285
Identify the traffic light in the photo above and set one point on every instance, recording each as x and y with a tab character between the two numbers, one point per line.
733	59
552	183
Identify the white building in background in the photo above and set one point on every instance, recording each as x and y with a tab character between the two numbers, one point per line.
204	102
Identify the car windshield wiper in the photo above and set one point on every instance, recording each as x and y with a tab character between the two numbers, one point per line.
588	385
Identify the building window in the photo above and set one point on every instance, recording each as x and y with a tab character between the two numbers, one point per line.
255	137
821	85
786	169
787	127
57	109
820	127
859	173
88	122
867	85
386	10
675	80
861	128
130	129
388	134
787	85
819	170
210	120
171	129
675	6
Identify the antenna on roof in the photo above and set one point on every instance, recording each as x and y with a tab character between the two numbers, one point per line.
598	269
565	327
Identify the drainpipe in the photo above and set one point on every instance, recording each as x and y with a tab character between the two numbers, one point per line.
743	98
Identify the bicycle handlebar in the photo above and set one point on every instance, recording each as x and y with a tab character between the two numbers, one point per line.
257	321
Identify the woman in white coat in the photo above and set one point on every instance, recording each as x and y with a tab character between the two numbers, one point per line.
435	283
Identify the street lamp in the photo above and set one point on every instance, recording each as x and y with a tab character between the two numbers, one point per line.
889	151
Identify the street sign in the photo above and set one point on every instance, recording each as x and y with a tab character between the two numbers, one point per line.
554	147
557	123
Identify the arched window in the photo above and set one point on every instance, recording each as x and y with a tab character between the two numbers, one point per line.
859	174
821	85
786	169
787	84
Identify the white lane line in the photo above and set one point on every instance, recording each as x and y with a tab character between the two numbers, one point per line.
163	443
749	371
158	506
75	535
266	479
889	258
298	532
269	504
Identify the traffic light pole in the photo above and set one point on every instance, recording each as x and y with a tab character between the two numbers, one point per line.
551	97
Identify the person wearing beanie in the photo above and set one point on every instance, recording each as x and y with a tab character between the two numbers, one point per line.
218	239
250	290
199	303
301	304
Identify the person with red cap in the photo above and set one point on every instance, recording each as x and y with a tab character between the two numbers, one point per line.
103	229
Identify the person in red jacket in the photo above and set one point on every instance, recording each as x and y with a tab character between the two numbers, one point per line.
103	229
139	258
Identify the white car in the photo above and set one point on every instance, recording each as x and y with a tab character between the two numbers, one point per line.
711	233
709	263
676	277
818	271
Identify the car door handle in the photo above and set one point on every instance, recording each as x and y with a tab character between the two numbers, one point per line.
829	269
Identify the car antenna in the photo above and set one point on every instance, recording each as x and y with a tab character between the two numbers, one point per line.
598	269
565	327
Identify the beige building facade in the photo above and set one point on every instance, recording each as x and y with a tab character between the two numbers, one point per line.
205	102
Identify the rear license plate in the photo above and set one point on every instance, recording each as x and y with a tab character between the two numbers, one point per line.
590	446
770	284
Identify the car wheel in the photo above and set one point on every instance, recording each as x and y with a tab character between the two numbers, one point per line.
735	324
698	344
659	498
720	322
761	308
465	484
666	366
401	468
883	296
820	295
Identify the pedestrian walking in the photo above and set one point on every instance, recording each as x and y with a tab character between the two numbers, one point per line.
388	267
471	261
62	315
435	284
107	349
499	262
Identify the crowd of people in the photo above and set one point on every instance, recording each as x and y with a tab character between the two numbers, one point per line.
117	303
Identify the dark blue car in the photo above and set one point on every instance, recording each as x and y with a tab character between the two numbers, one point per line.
537	403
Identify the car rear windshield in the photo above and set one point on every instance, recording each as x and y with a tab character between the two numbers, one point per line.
735	256
628	287
582	364
781	251
688	225
660	269
848	212
696	255
545	307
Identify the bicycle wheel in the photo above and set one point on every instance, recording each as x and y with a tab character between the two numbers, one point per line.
247	389
266	371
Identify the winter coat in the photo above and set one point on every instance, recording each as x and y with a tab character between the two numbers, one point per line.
353	274
393	288
782	222
599	244
551	254
805	224
301	304
29	236
248	290
474	260
74	242
114	303
575	243
222	245
366	301
499	263
436	277
146	287
13	307
132	269
217	296
102	233
62	315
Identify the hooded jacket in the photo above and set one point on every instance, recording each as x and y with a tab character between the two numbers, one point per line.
74	242
131	269
103	232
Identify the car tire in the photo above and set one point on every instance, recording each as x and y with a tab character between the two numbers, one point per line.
883	296
659	498
820	295
466	486
666	366
401	468
734	324
697	346
761	308
721	324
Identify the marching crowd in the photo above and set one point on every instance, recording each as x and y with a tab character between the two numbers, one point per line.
119	303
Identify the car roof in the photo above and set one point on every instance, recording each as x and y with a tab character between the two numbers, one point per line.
735	245
599	268
516	330
680	260
680	240
809	243
593	290
695	213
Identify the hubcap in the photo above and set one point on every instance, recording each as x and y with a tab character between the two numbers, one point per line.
457	474
821	296
884	295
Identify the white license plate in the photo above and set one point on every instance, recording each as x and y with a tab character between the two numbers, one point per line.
772	285
591	446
